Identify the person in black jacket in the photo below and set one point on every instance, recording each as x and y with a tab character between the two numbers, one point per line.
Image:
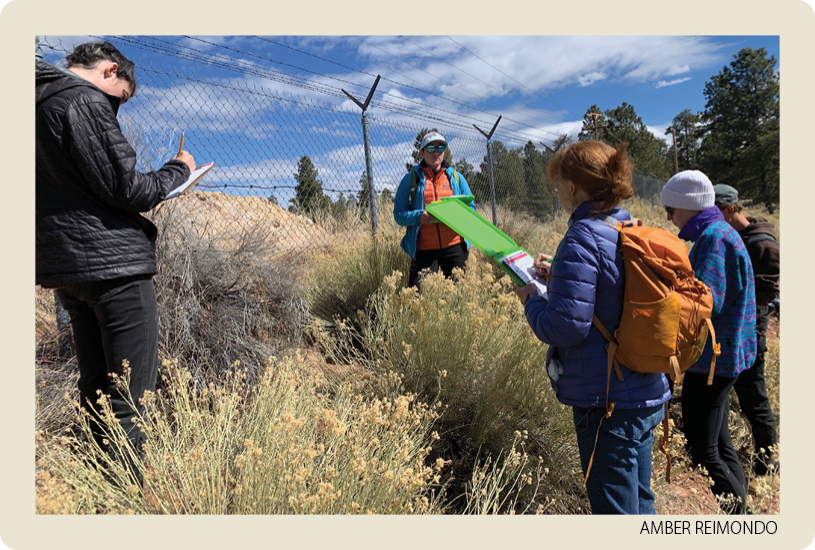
92	245
759	237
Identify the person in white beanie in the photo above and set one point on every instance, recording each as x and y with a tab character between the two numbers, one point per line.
719	258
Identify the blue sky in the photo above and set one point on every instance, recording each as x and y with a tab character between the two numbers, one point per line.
540	81
540	85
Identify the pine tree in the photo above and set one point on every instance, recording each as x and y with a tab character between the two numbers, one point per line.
742	142
464	168
508	173
649	153
363	196
309	195
539	197
386	195
688	133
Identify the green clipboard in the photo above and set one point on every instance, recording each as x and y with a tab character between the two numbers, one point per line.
458	216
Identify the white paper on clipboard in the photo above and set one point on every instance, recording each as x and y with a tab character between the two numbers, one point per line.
195	176
523	266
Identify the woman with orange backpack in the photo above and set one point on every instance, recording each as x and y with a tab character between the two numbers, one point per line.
719	259
591	178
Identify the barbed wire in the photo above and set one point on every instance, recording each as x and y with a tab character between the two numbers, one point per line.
301	156
413	87
285	78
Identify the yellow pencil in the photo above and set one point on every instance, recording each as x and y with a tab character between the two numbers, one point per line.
181	145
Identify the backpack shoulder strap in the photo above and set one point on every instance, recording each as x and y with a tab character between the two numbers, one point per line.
615	223
756	238
414	184
458	181
612	348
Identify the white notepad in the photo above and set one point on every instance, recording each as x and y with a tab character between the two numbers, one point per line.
523	266
192	181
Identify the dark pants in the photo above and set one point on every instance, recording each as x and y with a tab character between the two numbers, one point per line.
752	393
113	321
705	415
444	258
620	477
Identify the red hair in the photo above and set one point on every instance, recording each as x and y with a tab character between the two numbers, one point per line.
603	172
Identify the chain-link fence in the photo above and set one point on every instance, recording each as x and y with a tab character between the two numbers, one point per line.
280	158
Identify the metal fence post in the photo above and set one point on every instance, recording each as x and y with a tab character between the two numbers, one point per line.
492	185
369	171
368	163
489	163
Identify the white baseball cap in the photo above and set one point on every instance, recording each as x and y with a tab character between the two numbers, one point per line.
430	137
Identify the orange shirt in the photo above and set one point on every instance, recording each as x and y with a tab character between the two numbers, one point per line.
434	236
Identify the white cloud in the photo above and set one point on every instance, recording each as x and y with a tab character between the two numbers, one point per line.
659	131
591	78
663	83
541	63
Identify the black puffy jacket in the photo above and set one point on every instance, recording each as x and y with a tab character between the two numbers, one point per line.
88	192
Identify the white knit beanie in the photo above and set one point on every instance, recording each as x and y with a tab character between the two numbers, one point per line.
689	190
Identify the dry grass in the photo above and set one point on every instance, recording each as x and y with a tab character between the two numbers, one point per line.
688	491
467	344
287	439
341	282
224	301
293	443
287	444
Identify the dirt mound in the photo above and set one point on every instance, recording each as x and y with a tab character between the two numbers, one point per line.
228	219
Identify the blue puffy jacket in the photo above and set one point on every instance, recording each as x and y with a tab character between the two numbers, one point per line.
410	215
588	278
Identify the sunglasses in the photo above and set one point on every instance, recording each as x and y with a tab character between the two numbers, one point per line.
669	210
434	148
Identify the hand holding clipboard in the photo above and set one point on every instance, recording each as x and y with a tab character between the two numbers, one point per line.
196	174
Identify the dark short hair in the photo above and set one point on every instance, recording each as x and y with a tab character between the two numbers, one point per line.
89	54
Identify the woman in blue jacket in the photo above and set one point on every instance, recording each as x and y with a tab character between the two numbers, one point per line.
429	243
591	178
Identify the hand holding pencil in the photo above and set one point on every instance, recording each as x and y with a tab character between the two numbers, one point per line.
184	156
543	263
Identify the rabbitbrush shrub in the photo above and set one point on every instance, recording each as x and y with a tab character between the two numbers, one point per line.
466	343
341	283
285	445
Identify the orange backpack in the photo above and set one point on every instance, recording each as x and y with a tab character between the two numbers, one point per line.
666	311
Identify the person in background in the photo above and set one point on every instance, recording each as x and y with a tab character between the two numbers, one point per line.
720	260
762	245
429	243
591	178
92	245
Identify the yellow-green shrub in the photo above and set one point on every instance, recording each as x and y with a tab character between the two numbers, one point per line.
341	283
467	344
284	445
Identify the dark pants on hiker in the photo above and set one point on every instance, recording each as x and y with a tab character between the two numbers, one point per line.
752	393
113	321
444	258
705	416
